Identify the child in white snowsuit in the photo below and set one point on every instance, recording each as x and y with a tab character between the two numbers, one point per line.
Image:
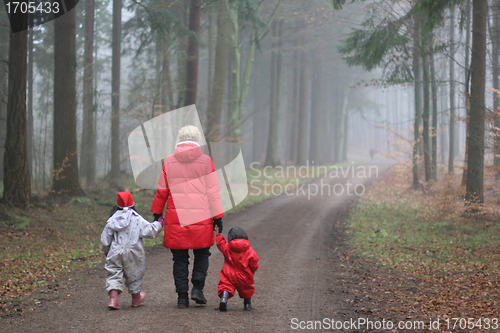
121	241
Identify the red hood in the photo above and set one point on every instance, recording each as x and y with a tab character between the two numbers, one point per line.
187	152
239	245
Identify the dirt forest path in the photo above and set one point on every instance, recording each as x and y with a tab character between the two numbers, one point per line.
298	240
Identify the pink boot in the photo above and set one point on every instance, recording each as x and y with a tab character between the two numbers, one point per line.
138	298
113	300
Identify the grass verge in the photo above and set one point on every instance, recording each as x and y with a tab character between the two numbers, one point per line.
428	240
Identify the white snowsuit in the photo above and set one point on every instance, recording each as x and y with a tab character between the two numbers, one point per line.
121	239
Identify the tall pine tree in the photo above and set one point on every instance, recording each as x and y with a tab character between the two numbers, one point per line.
16	181
65	176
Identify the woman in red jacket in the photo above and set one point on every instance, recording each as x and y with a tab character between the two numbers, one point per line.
240	263
189	188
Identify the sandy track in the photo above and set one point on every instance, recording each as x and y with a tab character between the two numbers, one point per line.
298	241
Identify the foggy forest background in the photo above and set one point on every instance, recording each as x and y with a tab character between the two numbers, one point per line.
292	81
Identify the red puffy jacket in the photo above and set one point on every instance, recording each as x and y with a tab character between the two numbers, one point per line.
240	262
189	187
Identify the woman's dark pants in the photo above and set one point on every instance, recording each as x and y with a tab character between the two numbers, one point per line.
181	269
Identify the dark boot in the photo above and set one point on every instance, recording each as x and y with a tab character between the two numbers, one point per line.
224	296
247	304
198	297
182	300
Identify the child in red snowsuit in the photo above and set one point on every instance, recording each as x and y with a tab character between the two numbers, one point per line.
240	263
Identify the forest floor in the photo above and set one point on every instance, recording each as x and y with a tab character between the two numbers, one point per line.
398	256
435	259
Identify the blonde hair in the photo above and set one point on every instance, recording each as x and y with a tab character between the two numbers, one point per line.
189	133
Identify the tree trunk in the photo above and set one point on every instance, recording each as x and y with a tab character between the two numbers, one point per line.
427	105
192	53
317	113
87	162
418	106
327	151
342	124
30	102
273	112
212	27
96	84
167	94
218	85
434	118
345	138
65	178
303	111
255	122
240	87
182	60
115	89
495	62
451	153
235	71
395	118
156	104
17	187
387	121
475	138
443	140
272	157
294	133
336	109
226	122
467	74
4	56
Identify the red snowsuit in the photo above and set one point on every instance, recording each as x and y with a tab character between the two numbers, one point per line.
240	262
189	187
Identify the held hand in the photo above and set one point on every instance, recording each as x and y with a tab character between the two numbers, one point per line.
161	221
156	217
216	230
218	223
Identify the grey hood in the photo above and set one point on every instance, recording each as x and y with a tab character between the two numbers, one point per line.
120	220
